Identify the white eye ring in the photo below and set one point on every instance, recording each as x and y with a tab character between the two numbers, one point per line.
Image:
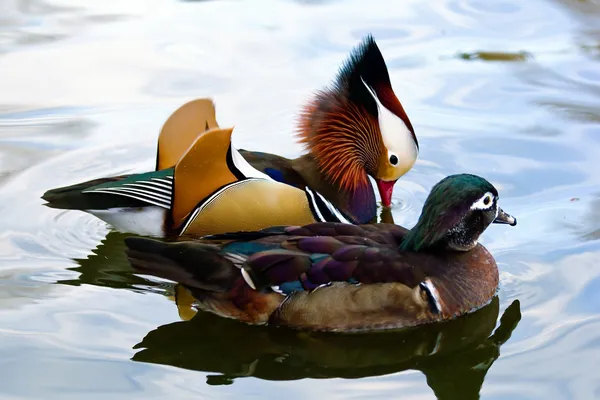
393	159
484	203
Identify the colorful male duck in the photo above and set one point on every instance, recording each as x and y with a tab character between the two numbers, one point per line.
344	277
355	129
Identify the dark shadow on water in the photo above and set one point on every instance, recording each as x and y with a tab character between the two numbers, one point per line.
454	356
108	267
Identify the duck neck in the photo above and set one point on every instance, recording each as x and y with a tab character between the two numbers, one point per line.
359	204
413	241
419	238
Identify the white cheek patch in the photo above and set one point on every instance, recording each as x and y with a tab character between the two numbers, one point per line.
484	203
397	138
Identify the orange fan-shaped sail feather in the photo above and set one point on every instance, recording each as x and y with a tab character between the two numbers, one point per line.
182	128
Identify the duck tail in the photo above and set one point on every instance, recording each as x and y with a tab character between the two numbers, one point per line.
195	265
72	197
212	275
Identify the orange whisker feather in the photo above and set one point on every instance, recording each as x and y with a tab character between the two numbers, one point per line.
346	141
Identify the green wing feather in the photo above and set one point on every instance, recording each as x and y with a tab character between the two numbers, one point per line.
137	190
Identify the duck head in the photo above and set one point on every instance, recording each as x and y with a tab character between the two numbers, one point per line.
358	128
457	211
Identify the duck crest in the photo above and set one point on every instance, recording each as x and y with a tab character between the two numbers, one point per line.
342	126
366	78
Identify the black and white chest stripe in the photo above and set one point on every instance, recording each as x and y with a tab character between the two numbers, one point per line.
322	209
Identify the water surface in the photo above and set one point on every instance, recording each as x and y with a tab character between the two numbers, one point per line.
505	89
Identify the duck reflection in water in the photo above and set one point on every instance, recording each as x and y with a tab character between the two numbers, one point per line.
107	266
454	356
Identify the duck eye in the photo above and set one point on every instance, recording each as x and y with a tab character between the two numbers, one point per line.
485	202
393	160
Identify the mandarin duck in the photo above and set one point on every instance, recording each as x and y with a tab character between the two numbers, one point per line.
343	277
355	129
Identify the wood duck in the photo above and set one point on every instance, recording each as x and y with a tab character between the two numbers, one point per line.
343	277
355	129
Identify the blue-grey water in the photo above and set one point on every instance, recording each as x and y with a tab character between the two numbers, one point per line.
509	90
